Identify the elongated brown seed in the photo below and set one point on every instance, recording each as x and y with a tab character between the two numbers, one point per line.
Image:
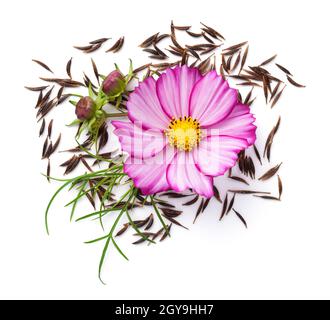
117	46
68	68
241	218
294	83
42	65
270	173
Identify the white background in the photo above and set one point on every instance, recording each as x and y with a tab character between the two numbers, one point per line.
285	251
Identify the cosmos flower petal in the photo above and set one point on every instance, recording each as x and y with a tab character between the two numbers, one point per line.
239	123
216	154
149	175
144	106
212	99
174	88
182	174
138	142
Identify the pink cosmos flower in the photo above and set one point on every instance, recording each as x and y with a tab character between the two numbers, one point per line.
184	130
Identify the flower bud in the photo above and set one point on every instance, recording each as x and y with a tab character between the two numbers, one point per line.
85	108
114	84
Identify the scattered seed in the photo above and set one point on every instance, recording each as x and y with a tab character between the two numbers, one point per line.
239	180
270	173
267	197
268	60
224	208
50	128
246	52
191	202
96	73
248	192
241	218
123	230
285	70
149	41
199	210
36	88
42	128
68	68
117	46
166	233
48	170
42	65
294	83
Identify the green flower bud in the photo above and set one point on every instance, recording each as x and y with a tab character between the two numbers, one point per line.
85	108
114	84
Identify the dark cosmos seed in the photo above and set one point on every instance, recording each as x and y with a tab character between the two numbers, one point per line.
160	38
194	35
64	82
241	218
42	128
247	192
117	46
71	164
267	197
171	213
68	68
151	51
294	83
55	146
277	97
166	234
191	202
207	38
236	46
158	57
280	187
50	128
49	150
84	48
102	40
239	180
59	93
150	222
238	60
224	207
231	204
93	48
270	173
123	230
206	203
85	163
215	32
36	88
142	68
194	53
182	28
285	70
42	65
175	222
96	73
175	195
256	151
199	210
246	52
275	91
48	170
248	97
44	148
148	42
268	61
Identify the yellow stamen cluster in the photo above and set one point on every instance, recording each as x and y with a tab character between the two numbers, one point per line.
184	133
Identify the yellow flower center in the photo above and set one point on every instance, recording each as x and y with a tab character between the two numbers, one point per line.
184	133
